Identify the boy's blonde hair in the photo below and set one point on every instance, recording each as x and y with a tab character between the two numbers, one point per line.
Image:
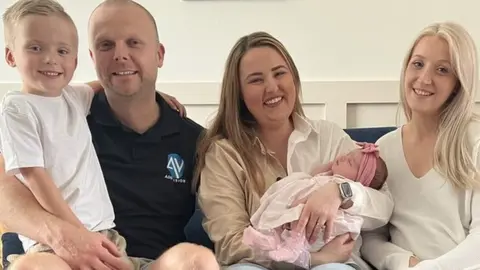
22	8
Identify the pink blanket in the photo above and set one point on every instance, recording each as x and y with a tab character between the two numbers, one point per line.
266	236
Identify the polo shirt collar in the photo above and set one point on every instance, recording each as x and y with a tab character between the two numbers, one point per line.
101	111
168	123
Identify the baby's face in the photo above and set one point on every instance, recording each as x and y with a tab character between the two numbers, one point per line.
348	165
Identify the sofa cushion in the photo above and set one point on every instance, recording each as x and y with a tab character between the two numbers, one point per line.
11	245
370	135
194	231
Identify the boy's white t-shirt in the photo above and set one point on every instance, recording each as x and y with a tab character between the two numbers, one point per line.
52	132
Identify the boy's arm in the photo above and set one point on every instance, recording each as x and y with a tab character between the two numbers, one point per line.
42	186
21	213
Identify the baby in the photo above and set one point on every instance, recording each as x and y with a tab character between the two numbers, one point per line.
268	233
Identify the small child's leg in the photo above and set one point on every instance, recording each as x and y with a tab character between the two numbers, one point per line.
186	256
39	261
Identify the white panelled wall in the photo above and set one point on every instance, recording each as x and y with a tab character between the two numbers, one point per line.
348	52
349	104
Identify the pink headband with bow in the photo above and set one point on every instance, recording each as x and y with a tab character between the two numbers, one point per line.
368	164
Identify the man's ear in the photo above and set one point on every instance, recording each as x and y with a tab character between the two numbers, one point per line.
91	55
9	58
160	54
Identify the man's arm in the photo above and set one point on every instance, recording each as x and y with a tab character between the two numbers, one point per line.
21	213
95	85
170	100
42	186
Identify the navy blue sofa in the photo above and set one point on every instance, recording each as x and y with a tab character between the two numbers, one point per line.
194	230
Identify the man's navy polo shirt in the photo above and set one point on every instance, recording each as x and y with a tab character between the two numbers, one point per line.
148	175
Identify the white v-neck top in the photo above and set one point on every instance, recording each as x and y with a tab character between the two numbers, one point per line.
431	219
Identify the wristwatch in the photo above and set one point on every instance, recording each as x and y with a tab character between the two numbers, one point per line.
345	192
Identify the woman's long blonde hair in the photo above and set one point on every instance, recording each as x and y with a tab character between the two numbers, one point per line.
453	152
233	121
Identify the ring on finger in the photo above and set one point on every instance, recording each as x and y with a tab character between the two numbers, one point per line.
322	227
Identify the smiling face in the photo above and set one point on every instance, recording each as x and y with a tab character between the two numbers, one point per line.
429	76
45	52
267	84
125	49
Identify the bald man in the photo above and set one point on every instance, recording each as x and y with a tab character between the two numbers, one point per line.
147	154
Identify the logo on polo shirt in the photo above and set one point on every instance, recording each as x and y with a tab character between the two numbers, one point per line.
176	168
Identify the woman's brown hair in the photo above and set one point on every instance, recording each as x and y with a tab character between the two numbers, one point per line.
233	121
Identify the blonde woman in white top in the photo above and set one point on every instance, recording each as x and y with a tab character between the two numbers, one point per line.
433	160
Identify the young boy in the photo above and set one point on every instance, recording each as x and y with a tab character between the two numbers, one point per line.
46	142
44	135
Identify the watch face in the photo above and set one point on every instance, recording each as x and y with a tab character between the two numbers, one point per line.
347	190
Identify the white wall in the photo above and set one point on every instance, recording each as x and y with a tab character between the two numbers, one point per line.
348	52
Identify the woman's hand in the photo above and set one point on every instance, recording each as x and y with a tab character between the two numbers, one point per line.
174	104
319	212
338	250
